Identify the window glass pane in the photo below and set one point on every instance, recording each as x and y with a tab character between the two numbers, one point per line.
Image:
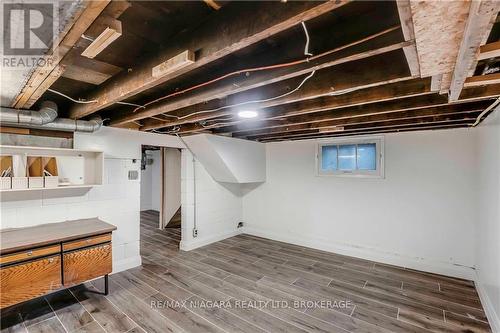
367	156
347	157
329	158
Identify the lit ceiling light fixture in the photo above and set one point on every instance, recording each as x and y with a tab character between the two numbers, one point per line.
248	114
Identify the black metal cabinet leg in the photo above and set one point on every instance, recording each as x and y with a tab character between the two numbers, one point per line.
106	285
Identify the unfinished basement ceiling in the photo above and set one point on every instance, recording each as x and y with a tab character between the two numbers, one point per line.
371	68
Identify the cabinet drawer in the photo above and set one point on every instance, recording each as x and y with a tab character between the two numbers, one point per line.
28	280
73	245
29	254
86	264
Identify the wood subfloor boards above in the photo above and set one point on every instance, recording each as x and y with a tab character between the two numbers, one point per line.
238	31
380	44
386	69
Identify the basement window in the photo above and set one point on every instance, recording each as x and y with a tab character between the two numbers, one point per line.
360	157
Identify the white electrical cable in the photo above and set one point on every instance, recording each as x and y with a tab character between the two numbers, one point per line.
306	52
478	120
252	102
131	104
70	98
306	48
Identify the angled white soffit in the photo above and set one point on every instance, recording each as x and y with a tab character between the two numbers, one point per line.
229	160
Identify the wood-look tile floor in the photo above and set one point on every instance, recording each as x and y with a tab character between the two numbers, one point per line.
228	287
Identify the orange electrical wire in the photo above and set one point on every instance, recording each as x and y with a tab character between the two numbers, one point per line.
263	68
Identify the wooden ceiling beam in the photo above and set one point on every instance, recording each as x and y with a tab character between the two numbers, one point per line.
406	115
374	131
104	31
433	106
43	76
482	80
224	34
410	51
385	69
90	71
368	97
389	125
259	79
487	51
480	21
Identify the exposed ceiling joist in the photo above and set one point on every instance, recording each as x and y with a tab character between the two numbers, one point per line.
488	51
423	105
253	81
375	130
375	94
481	80
223	35
479	23
37	84
90	71
410	51
366	117
380	126
104	31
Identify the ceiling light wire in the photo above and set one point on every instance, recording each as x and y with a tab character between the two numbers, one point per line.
269	67
71	98
306	48
131	104
254	101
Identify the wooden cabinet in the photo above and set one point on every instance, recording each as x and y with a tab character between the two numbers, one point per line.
85	264
68	246
30	254
39	260
27	280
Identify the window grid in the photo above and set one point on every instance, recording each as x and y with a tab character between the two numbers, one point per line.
368	164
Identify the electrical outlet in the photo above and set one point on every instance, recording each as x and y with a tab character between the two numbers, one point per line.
195	232
240	225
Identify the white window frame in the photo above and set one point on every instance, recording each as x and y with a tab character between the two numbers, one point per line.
379	146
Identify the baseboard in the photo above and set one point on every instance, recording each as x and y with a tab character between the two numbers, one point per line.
128	263
199	242
491	314
421	264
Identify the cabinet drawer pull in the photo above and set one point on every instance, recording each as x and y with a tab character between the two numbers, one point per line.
51	259
30	253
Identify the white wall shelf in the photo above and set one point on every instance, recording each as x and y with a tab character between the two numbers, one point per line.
77	168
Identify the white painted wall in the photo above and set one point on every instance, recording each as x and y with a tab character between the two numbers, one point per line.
116	202
155	180
421	215
228	159
488	219
218	206
172	183
146	185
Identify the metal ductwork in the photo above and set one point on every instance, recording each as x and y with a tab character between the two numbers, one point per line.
46	114
70	125
46	118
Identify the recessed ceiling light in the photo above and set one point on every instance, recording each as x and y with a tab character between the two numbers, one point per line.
248	114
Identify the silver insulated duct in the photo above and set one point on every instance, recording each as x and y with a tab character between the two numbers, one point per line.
46	118
46	114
